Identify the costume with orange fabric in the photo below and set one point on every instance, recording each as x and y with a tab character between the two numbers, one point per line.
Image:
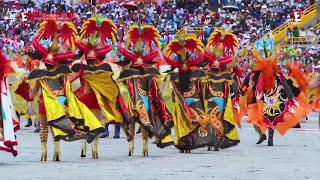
299	80
9	122
276	102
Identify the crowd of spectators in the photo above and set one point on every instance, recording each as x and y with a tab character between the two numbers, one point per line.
249	19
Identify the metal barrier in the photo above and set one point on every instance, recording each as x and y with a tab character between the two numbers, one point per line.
279	32
283	43
317	26
191	31
307	15
180	32
300	41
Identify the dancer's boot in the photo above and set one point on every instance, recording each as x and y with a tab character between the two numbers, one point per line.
44	139
95	148
29	123
139	131
37	128
83	148
56	153
297	126
131	148
106	133
145	147
44	153
262	136
270	138
116	131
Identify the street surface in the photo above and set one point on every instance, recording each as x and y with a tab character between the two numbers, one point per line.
293	156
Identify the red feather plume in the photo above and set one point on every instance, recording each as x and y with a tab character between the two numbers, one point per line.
190	44
134	34
107	30
174	46
229	42
68	33
150	34
215	38
48	29
89	27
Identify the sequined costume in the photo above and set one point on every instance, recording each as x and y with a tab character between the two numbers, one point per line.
98	91
141	99
185	54
58	107
221	89
274	103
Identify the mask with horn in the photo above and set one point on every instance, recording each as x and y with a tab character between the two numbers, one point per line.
182	49
140	40
97	30
65	34
266	58
220	48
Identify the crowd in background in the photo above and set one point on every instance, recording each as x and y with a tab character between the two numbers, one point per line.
249	19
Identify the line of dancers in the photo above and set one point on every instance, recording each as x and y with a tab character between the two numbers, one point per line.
201	98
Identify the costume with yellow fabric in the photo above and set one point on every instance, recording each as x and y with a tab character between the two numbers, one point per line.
141	99
98	77
190	116
221	91
180	112
58	106
98	91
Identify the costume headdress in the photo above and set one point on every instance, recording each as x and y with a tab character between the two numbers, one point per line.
265	49
220	48
65	33
183	49
266	58
92	29
139	38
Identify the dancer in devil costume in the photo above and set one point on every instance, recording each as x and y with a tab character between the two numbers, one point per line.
222	92
274	102
185	54
58	106
99	91
141	100
9	122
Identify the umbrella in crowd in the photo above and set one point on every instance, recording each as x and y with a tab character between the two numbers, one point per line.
130	5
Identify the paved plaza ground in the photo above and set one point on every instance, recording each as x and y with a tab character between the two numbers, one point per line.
293	156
